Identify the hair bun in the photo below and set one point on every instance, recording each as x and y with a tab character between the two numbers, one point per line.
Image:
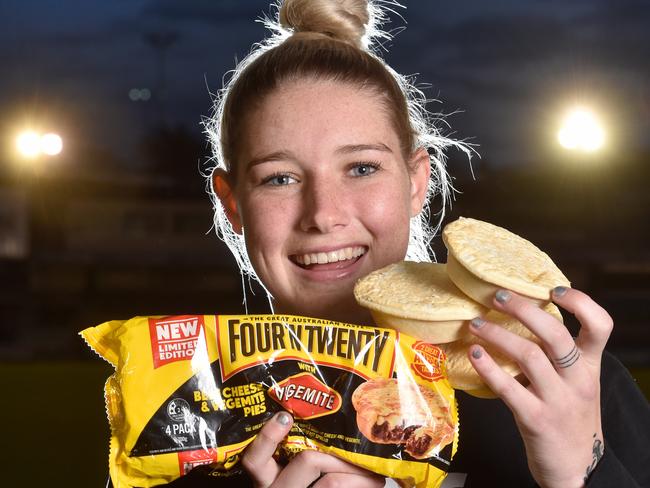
345	20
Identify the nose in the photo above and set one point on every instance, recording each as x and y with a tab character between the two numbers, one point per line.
324	207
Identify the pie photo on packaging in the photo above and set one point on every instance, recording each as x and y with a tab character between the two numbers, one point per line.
417	299
394	412
483	258
460	372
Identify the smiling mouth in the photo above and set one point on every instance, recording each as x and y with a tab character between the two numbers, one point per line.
345	255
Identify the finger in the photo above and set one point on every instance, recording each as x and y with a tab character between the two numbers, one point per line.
555	337
514	395
258	458
356	480
529	356
596	323
553	333
308	466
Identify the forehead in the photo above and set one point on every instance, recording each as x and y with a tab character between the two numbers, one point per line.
318	115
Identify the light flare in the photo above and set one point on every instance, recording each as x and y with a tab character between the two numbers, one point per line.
51	144
581	130
29	144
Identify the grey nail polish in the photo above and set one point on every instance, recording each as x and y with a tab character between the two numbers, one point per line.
283	418
477	353
503	296
477	323
559	291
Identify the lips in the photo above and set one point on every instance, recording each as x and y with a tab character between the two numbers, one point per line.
343	255
329	260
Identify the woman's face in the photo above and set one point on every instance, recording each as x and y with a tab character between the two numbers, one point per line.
324	195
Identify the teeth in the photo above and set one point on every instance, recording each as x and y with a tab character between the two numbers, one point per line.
330	257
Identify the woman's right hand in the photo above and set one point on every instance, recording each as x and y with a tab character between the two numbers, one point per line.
558	414
309	468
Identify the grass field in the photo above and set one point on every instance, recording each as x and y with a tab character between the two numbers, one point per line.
55	431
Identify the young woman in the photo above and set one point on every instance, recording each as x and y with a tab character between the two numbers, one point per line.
324	163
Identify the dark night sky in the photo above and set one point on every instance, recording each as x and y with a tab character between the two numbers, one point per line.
511	67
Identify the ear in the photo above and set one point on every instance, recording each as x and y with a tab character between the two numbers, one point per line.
224	191
420	172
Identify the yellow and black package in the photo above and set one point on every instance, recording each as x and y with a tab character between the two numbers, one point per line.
195	389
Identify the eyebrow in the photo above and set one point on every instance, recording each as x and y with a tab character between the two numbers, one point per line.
347	149
353	148
274	156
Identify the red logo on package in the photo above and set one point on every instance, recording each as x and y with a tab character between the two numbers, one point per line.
188	460
305	396
429	361
175	338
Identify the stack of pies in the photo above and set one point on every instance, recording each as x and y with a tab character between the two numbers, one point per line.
434	302
417	299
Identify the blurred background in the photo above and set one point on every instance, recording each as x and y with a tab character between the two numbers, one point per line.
104	215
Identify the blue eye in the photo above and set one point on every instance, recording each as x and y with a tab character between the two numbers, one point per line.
279	179
364	169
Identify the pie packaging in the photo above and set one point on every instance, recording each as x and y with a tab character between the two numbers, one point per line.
192	392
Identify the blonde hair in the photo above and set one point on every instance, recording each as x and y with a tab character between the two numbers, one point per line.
337	40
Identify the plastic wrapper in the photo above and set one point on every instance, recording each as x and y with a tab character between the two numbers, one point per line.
195	389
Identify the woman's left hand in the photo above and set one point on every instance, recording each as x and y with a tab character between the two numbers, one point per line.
308	469
558	413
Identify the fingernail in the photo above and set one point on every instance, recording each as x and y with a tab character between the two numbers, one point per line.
283	418
559	291
477	323
503	296
477	353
